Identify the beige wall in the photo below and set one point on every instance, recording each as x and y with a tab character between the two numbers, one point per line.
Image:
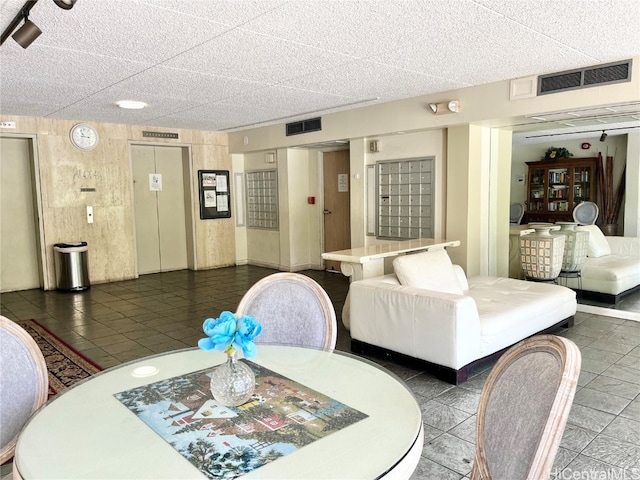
296	245
632	205
64	170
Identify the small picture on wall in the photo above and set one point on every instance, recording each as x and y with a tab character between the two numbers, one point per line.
221	183
208	179
223	204
210	198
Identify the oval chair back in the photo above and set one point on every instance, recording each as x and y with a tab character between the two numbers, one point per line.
24	383
293	309
524	407
586	213
516	212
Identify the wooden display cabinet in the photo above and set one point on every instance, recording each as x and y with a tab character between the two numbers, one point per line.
555	187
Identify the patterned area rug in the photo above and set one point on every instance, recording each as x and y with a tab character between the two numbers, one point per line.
66	366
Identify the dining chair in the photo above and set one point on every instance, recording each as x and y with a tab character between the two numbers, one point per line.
516	212
524	407
24	383
293	309
586	213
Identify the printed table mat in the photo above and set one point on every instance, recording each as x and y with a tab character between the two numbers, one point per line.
226	442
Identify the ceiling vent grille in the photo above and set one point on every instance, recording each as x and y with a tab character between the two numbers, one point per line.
585	77
304	126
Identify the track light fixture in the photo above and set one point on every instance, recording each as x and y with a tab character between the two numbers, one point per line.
66	4
603	137
27	33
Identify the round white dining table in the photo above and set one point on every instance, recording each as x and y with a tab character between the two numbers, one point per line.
86	433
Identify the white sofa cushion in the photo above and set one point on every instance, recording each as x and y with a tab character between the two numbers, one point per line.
430	270
611	274
511	309
598	245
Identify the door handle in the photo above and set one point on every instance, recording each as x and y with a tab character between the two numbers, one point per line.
326	212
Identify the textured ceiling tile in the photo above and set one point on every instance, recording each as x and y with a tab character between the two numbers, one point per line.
93	70
363	79
174	83
585	26
122	29
49	97
226	12
291	100
219	116
256	57
481	56
357	28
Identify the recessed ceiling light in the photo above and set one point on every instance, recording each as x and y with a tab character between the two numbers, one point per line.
131	104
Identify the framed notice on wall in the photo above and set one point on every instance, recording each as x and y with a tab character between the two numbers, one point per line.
214	194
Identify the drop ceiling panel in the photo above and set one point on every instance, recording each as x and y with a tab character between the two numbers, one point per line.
603	29
122	29
363	79
72	67
173	83
39	97
228	12
256	57
217	116
351	28
291	101
486	57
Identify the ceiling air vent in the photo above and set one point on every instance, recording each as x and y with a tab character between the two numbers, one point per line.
585	77
304	126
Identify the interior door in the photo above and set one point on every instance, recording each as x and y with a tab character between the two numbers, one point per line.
19	262
159	206
337	209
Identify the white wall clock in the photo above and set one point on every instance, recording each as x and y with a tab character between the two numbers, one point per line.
84	136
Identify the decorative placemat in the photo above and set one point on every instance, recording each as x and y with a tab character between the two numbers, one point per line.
226	442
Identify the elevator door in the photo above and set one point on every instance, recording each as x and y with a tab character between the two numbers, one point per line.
159	205
18	238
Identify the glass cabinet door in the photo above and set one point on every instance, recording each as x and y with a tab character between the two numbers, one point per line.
536	190
582	177
558	191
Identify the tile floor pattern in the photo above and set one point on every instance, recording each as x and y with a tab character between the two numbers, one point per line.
121	321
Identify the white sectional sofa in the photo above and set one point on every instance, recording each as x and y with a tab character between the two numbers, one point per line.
430	314
612	267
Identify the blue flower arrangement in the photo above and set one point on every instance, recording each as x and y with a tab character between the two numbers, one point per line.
228	334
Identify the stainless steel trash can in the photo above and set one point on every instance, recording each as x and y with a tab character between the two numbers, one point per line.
72	266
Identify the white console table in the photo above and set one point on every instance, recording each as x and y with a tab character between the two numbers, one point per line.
367	262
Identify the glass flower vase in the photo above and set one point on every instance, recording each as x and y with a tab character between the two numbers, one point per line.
233	382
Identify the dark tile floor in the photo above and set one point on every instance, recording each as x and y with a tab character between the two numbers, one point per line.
117	322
